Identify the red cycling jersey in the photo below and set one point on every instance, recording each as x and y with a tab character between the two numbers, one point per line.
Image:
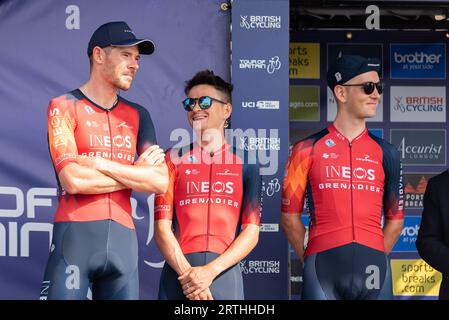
78	126
346	186
209	196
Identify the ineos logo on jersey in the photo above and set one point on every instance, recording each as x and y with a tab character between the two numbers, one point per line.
118	141
345	172
205	186
56	122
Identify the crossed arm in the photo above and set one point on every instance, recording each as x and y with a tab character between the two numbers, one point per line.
98	175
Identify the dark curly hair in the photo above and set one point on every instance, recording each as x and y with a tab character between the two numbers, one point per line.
208	77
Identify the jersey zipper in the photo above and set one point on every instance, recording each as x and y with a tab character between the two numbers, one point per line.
110	156
352	191
208	204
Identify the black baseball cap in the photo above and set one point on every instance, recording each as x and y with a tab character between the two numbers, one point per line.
118	34
347	67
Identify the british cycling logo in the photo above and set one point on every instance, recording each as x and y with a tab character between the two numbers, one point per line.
419	103
260	22
260	266
260	143
398	105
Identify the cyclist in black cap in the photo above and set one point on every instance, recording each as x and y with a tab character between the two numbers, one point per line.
349	178
94	135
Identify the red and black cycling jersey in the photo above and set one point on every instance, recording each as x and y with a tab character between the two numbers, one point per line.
210	195
346	186
78	126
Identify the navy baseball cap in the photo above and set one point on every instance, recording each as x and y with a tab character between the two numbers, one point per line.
347	67
118	34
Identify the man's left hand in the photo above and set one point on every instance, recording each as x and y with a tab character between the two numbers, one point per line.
195	280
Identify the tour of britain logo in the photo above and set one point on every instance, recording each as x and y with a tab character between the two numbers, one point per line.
271	65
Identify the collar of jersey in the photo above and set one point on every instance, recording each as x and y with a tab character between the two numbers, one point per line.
223	148
97	105
340	136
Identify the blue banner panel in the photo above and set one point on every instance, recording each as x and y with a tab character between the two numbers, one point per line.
407	240
260	58
418	61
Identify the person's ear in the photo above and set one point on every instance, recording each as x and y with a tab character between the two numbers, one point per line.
340	93
228	109
98	55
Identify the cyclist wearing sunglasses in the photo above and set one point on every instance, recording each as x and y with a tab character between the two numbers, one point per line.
348	177
212	202
94	135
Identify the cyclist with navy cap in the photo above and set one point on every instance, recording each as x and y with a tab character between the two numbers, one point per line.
348	177
94	135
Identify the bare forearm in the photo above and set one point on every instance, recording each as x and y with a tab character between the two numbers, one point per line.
295	232
239	249
392	230
170	249
142	178
77	179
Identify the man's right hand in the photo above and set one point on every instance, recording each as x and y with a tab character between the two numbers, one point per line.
153	155
204	295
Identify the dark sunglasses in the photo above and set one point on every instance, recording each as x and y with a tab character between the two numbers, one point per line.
203	102
368	87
